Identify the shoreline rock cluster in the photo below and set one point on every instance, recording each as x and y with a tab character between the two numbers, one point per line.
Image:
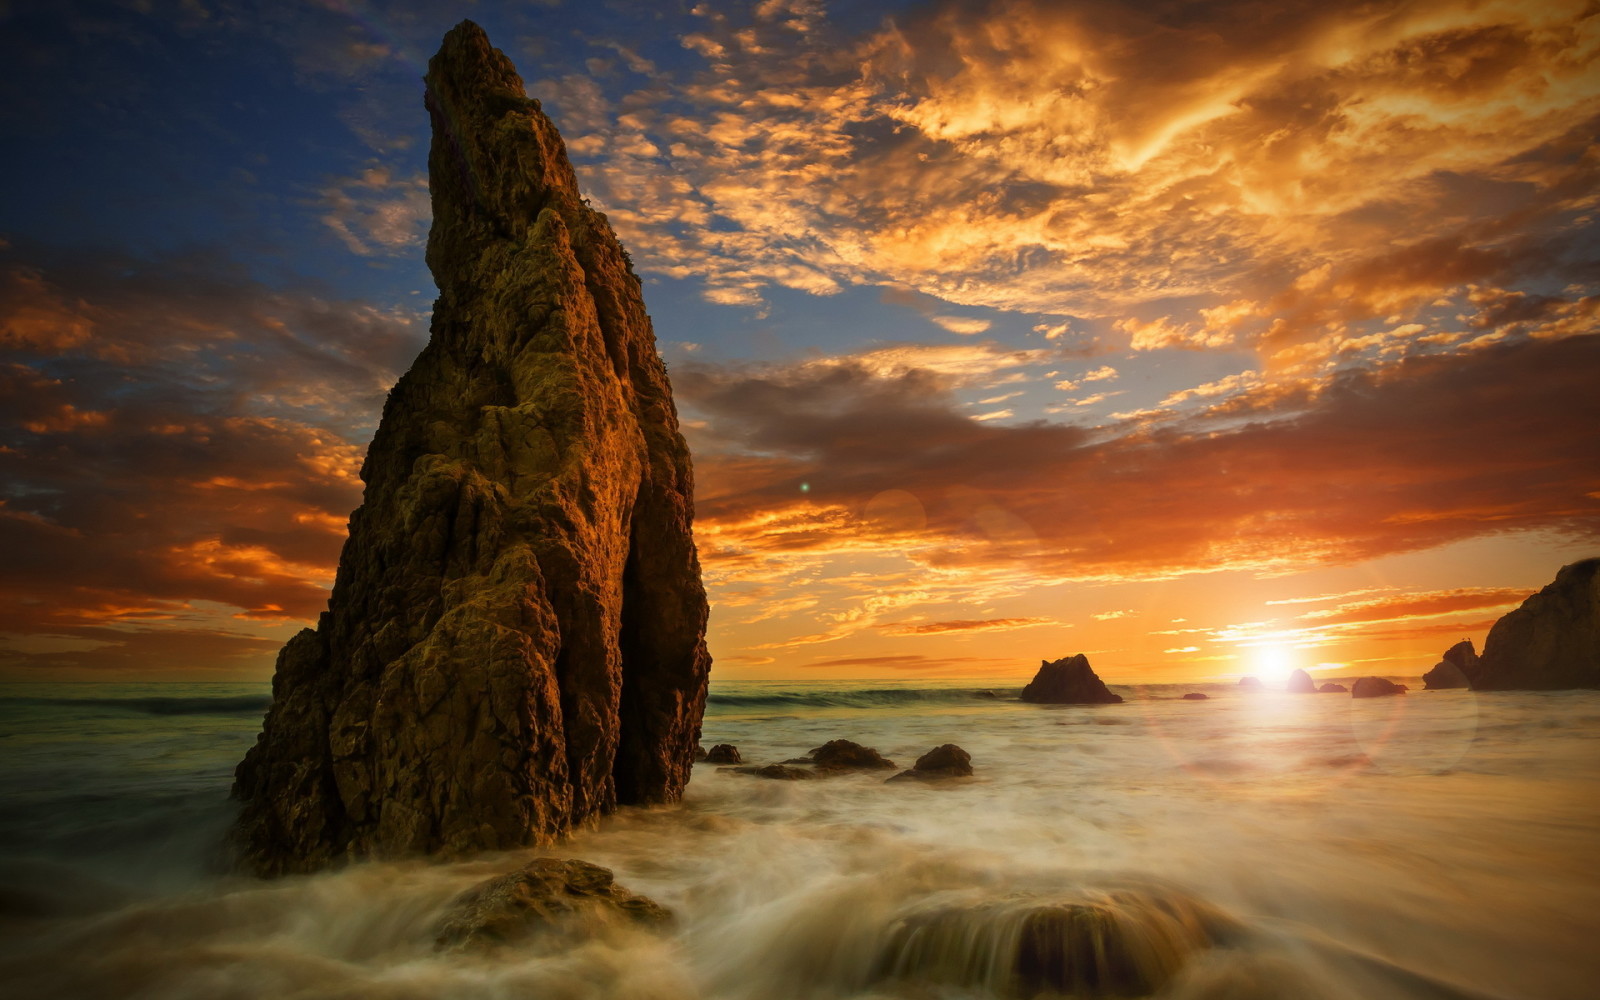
837	757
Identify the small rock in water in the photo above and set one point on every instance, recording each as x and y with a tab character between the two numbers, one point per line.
1250	683
947	761
1194	696
539	896
844	755
1300	682
724	753
699	752
1332	688
985	694
1376	687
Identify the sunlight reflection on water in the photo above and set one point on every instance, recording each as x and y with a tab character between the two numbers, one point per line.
1433	844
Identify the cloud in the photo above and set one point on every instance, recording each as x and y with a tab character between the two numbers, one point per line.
1109	160
978	665
376	213
966	625
1403	607
1473	444
964	325
187	468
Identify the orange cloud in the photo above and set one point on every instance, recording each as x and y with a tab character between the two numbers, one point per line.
965	625
1099	160
1472	444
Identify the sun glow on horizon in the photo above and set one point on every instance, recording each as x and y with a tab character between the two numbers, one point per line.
1273	663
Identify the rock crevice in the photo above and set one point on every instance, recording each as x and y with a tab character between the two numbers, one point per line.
515	640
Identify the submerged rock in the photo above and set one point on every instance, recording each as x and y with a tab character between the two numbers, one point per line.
1551	642
843	755
1068	681
1375	687
780	772
1125	943
723	753
1451	671
1195	696
515	640
1300	682
947	761
1332	688
1250	683
543	894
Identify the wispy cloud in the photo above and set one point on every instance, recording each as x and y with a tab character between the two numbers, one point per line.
1101	160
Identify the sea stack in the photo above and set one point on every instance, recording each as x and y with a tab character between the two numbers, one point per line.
1451	671
1300	682
1551	642
1068	681
515	640
1375	687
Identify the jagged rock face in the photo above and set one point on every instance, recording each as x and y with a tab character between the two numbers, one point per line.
1551	642
1451	671
515	639
1068	681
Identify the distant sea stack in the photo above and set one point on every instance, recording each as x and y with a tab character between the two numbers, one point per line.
515	639
1452	670
1068	681
1552	641
1375	687
1300	682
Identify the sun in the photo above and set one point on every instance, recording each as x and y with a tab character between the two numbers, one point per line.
1274	662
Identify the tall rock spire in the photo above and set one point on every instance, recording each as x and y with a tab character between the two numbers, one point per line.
515	642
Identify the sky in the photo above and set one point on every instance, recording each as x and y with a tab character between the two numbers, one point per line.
1206	339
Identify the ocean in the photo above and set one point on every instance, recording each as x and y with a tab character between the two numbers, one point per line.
1253	845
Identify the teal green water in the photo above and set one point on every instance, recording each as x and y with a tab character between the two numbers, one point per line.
1433	845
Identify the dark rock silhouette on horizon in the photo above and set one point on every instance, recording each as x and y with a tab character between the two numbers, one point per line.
539	896
1332	688
1551	642
1300	682
1375	687
515	640
1250	683
1196	696
1451	671
1068	681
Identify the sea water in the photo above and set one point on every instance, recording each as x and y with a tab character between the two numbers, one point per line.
1253	845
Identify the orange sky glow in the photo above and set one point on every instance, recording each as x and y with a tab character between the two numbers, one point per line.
1224	341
